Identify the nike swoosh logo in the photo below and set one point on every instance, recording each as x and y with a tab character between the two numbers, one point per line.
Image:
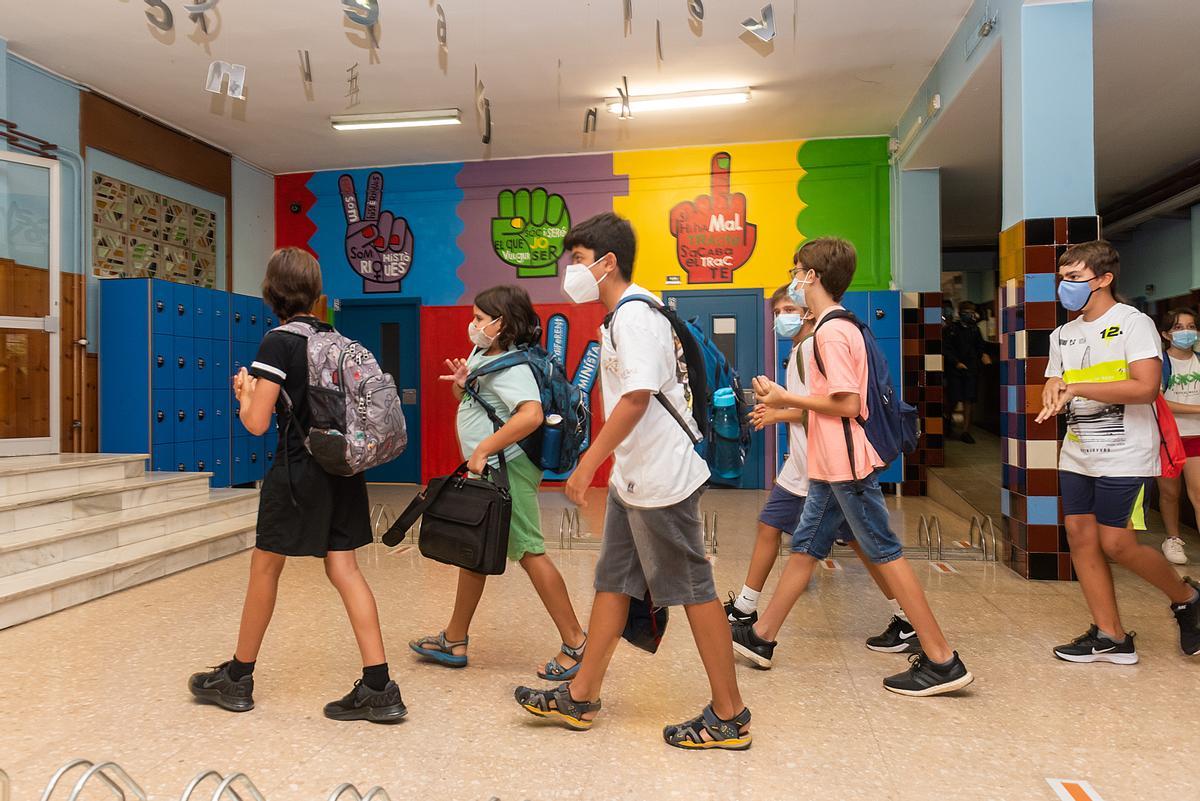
1096	650
908	635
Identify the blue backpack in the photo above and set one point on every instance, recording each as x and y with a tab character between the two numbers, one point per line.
707	371
559	397
892	426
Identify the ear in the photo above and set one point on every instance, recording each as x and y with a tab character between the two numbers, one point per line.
608	262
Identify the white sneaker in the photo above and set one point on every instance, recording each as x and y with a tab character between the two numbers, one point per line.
1172	548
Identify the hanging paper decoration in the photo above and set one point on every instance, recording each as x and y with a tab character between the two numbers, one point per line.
484	107
658	37
364	12
764	29
352	87
628	17
589	121
626	110
305	66
196	11
696	9
164	23
441	27
218	71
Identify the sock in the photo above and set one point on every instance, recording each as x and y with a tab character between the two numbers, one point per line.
1195	597
945	664
897	610
376	676
747	600
239	670
1107	636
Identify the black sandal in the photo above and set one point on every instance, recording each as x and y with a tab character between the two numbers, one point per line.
557	704
726	734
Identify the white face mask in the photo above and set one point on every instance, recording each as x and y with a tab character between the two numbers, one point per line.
479	337
580	285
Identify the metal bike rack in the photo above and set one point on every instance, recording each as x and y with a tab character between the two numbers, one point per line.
986	537
935	528
710	531
569	528
92	769
347	787
381	520
224	785
929	531
923	537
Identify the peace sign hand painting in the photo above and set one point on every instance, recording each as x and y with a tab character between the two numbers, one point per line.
379	245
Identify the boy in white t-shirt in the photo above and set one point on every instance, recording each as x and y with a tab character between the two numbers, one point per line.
781	513
1104	374
1181	389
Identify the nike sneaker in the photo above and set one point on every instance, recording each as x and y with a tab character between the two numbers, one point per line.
363	703
1095	647
736	615
898	638
218	687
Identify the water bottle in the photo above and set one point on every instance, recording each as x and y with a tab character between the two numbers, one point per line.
727	457
551	440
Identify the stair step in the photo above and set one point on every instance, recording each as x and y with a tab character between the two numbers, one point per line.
20	474
36	547
43	507
43	590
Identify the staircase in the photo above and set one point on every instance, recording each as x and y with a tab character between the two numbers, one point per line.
74	527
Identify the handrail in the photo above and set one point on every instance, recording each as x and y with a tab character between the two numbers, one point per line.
936	528
709	520
226	786
924	537
99	769
373	792
992	535
74	763
569	527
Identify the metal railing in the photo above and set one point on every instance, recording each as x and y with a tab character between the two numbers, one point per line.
347	787
93	770
711	542
982	534
929	532
224	785
570	527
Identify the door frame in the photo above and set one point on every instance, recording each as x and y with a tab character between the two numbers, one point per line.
50	323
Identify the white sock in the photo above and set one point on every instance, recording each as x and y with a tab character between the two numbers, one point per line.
896	609
747	600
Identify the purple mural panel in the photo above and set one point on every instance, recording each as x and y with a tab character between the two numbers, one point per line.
516	212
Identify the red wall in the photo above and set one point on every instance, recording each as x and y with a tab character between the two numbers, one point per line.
444	335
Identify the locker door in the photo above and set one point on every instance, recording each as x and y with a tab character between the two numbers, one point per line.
859	303
162	307
256	309
219	373
238	319
218	317
183	296
184	409
891	349
202	427
255	451
218	404
162	362
162	459
185	457
220	463
201	312
202	453
241	461
162	417
184	359
884	316
202	363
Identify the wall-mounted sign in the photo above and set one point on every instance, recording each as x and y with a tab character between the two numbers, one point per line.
379	244
528	231
713	238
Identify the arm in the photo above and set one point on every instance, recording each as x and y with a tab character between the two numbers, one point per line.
839	404
1183	408
524	421
620	424
762	416
257	400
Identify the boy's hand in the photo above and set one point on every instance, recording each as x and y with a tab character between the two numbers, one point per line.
767	391
1051	391
578	483
478	461
762	416
1060	402
458	372
986	359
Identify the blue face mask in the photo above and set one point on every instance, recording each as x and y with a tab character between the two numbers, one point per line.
788	325
796	292
1183	340
1074	295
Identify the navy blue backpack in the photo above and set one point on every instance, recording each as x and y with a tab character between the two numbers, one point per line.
892	426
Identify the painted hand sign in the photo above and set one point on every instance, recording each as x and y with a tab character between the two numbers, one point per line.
712	236
557	330
529	229
379	245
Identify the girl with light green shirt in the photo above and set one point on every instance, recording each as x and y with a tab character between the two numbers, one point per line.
504	320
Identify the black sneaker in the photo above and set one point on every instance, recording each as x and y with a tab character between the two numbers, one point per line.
736	615
925	678
1188	617
1094	647
218	687
363	703
747	643
899	638
967	438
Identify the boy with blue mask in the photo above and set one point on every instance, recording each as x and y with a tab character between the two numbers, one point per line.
1104	373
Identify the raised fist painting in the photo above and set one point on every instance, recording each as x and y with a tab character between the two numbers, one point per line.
711	233
379	245
528	231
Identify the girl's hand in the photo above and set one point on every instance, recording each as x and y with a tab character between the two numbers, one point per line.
762	416
458	372
243	386
478	461
767	391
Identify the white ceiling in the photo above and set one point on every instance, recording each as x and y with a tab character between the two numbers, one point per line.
850	68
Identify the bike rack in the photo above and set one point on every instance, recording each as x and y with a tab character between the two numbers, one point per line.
710	531
935	528
225	785
923	537
93	770
569	528
347	787
985	534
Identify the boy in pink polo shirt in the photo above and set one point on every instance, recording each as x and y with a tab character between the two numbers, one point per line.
843	485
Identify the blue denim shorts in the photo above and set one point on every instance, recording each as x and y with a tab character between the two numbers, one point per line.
831	506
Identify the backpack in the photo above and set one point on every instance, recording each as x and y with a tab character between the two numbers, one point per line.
891	426
707	371
1171	454
355	418
559	397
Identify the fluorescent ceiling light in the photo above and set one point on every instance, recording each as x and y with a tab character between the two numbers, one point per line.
396	119
681	100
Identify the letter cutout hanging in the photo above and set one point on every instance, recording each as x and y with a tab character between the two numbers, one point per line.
218	71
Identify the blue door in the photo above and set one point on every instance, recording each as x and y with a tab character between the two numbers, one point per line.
733	320
391	329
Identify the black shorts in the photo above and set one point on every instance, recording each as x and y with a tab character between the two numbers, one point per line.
332	512
961	386
1117	502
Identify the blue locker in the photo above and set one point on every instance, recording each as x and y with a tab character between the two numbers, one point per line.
162	307
162	420
268	451
162	458
218	410
162	364
269	319
892	350
859	303
220	463
218	317
241	318
185	422
183	296
202	312
202	362
240	471
254	448
219	373
185	457
202	427
185	352
886	304
202	453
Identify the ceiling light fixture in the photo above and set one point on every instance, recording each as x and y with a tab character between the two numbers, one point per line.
396	119
681	100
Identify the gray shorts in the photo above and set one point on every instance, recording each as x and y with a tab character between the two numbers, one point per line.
657	549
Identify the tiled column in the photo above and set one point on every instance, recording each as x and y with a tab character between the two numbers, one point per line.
922	382
1035	543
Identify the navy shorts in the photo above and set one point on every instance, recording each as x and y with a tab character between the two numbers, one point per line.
1116	501
782	510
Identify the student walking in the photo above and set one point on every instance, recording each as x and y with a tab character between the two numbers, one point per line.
1181	388
302	510
653	537
1104	373
504	321
781	513
963	352
843	482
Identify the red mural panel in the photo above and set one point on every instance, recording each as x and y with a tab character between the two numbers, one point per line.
293	200
444	335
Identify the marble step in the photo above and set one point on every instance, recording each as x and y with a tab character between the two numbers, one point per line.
39	546
43	507
38	592
19	474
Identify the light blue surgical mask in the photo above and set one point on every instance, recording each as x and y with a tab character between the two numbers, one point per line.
1184	340
796	292
788	325
1074	295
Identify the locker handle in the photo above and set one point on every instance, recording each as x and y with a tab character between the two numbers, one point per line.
160	361
237	317
181	361
179	309
200	465
270	455
254	457
200	362
254	319
161	415
880	314
182	415
199	414
181	467
159	305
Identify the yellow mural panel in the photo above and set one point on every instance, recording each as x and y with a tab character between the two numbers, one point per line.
713	217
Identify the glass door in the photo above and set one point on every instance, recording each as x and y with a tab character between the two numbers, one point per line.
30	352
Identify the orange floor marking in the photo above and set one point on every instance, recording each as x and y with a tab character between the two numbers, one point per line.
1073	790
831	564
944	568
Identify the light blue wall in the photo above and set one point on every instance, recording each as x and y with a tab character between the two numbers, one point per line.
1159	252
3	83
1196	245
919	249
253	226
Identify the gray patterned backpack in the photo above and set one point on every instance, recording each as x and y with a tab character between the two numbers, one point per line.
355	420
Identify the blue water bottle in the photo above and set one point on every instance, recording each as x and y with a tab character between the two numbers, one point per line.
551	442
727	456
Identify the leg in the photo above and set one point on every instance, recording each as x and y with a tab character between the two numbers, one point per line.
265	569
711	632
796	574
1095	577
911	596
609	611
1121	545
874	570
762	558
1191	478
968	408
553	591
466	601
342	569
1168	499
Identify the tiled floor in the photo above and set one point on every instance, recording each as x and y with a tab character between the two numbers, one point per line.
106	680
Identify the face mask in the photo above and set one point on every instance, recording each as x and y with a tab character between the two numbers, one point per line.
580	285
788	325
969	318
1183	340
796	292
479	337
1074	295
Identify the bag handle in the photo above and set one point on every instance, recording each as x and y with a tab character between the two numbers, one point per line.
408	518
